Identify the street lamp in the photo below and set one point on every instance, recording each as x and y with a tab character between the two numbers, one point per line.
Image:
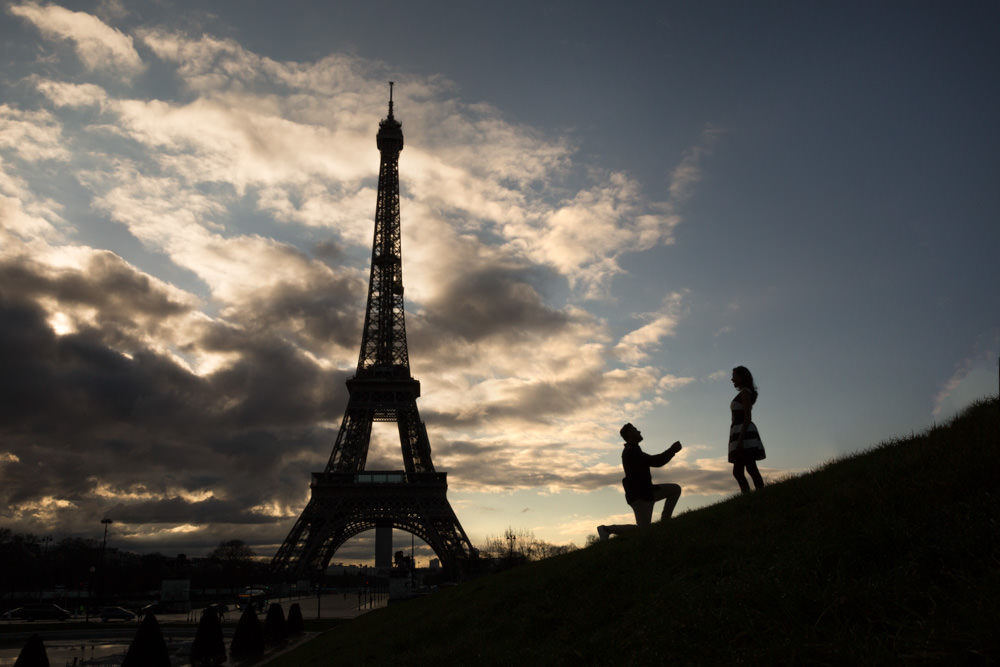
43	572
107	522
100	592
90	594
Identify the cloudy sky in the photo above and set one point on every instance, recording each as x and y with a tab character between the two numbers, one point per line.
605	207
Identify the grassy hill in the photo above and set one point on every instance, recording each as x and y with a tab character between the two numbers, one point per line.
889	556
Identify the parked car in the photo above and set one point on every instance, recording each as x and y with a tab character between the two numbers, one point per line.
39	612
154	608
116	613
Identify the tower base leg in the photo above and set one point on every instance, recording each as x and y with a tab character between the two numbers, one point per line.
383	548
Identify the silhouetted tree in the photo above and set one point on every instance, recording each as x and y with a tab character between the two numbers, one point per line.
20	558
519	546
71	559
248	639
233	552
296	625
148	649
275	631
29	563
403	561
236	559
545	550
33	654
209	646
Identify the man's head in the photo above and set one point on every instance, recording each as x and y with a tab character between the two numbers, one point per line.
630	434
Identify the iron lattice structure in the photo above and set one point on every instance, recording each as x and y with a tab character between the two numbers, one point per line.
347	499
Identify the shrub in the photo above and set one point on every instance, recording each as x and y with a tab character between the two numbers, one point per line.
148	648
248	639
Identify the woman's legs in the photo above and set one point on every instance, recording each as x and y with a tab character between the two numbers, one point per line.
740	477
750	467
758	481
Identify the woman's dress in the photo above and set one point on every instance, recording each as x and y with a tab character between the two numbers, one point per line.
753	448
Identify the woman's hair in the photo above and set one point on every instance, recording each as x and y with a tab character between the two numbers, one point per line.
745	379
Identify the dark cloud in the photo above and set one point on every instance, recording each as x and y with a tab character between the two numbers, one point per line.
463	448
537	402
107	283
75	383
178	511
488	307
488	301
87	431
325	310
548	400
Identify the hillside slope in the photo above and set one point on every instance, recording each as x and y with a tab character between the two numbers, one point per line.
888	556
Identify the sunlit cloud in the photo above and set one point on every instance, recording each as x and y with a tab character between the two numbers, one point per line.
688	173
636	345
184	528
982	364
73	95
32	135
96	44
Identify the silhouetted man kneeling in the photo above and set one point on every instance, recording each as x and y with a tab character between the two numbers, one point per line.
640	492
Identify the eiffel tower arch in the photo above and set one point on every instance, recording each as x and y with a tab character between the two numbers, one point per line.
346	498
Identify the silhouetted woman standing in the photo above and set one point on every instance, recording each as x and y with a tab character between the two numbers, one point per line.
745	446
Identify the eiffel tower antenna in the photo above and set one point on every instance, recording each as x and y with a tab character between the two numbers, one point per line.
346	498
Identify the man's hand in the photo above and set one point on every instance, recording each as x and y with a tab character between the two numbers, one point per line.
674	448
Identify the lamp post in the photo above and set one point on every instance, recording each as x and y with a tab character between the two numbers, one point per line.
43	571
104	545
86	607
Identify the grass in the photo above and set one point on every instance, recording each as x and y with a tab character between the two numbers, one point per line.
889	556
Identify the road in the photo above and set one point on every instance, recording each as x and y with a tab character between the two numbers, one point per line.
104	643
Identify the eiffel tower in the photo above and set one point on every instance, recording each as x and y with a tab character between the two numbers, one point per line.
346	498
